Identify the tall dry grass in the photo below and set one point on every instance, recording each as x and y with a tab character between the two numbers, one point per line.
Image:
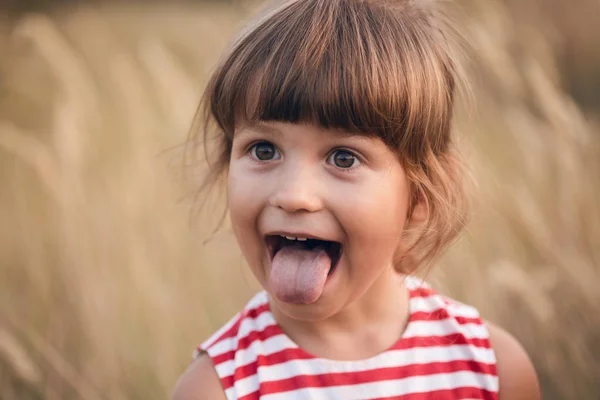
106	288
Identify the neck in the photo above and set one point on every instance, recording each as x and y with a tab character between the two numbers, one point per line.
369	325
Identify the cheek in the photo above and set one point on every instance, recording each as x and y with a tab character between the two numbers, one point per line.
243	191
382	220
244	206
376	218
247	195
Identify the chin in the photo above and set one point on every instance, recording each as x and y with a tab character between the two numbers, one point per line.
320	310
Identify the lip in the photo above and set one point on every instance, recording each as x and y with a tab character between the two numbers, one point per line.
270	243
335	250
300	234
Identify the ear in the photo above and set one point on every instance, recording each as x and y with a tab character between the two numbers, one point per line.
418	215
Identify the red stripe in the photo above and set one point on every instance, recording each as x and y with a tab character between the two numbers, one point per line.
357	377
403	344
256	311
450	394
429	292
263	360
374	375
421	292
251	396
227	381
274	330
231	332
224	357
251	313
435	341
442	314
269	332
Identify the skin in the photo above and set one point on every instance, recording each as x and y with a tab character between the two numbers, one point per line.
302	192
518	380
295	180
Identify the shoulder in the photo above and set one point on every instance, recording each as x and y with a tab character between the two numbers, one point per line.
199	382
517	377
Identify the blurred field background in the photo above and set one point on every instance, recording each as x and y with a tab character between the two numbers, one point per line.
108	280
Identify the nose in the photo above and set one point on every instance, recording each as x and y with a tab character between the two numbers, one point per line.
296	190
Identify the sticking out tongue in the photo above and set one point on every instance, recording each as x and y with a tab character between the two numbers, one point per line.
298	275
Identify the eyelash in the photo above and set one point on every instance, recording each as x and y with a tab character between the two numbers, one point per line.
254	146
357	157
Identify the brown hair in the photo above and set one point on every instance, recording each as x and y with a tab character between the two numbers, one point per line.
373	67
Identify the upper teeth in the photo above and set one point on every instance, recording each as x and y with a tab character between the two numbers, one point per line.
295	238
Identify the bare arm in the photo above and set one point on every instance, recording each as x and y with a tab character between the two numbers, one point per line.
518	380
199	382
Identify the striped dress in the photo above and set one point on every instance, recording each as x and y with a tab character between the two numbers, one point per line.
443	354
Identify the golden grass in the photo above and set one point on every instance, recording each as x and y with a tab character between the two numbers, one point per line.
105	288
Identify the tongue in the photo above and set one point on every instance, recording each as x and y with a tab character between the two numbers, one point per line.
298	275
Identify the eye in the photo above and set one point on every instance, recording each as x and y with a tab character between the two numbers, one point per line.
343	159
264	151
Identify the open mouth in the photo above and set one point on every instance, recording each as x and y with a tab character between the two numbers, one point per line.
333	249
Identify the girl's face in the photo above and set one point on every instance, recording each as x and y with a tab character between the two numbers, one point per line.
348	195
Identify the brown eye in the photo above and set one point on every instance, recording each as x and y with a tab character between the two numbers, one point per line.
343	159
264	151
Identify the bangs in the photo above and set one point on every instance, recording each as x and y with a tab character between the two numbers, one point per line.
346	65
381	68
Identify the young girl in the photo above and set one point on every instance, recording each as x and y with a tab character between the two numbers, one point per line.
333	122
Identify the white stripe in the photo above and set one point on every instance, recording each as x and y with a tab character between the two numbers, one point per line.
258	300
433	303
247	385
462	310
211	340
389	359
257	324
230	394
223	346
414	329
445	327
424	304
394	358
281	342
248	355
412	282
416	384
247	326
226	368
